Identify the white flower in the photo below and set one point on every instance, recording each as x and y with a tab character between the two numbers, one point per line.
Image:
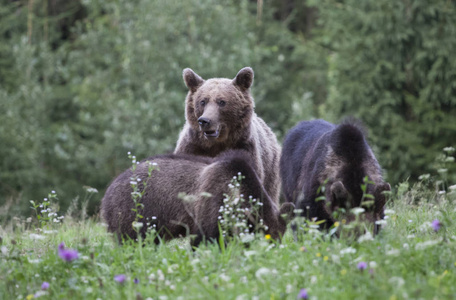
398	281
137	225
389	211
366	237
349	250
53	192
427	244
381	222
262	272
39	294
35	236
358	210
393	252
313	279
372	264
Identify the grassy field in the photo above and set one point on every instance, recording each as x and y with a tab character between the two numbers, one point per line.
411	258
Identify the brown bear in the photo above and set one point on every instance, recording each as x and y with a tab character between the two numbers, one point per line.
172	216
317	153
220	115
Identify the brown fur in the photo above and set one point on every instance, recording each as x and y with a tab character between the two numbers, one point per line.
227	109
192	175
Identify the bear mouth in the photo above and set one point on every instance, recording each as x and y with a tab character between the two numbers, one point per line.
212	134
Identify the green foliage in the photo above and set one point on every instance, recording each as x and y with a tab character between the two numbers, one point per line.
77	105
392	66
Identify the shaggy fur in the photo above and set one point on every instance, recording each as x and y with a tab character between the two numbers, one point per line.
316	151
192	175
220	116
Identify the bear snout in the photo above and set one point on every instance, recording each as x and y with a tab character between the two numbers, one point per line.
204	122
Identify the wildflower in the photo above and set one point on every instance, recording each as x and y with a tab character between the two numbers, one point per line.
325	258
303	249
343	272
45	285
120	278
303	294
267	236
336	224
136	281
436	225
29	297
362	265
39	294
67	254
318	254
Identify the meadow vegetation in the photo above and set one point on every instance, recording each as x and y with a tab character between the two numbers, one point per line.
413	257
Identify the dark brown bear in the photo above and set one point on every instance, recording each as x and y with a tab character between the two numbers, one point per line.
317	153
220	115
173	217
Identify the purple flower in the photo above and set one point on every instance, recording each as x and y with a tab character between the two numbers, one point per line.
67	254
45	285
120	278
303	294
436	225
136	280
362	265
61	246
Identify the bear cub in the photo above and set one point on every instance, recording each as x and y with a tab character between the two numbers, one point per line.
173	217
317	153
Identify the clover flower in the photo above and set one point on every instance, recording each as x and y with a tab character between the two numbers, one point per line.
45	285
303	294
436	224
67	254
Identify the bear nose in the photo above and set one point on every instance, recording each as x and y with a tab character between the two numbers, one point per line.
204	121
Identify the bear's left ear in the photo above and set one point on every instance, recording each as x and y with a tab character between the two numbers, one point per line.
244	78
192	80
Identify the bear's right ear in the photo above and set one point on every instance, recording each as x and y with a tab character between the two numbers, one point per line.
244	78
192	80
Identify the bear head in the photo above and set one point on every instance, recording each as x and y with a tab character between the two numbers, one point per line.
219	109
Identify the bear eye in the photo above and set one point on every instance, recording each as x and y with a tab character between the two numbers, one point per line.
221	103
203	102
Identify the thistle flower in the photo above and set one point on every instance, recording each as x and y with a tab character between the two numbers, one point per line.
67	254
136	281
120	278
436	225
303	294
45	285
362	265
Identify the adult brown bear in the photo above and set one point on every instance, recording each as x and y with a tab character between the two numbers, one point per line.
220	115
171	216
317	153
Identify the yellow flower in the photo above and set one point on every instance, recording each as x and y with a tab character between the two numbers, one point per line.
393	297
325	258
336	224
343	272
318	254
344	221
29	297
267	236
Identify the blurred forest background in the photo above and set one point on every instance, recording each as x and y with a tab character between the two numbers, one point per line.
84	81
